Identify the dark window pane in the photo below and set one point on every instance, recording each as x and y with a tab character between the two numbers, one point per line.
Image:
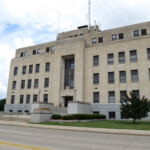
35	96
100	40
45	100
12	99
148	53
36	81
122	76
47	49
29	83
21	54
96	78
121	36
22	84
47	67
136	33
121	57
112	115
110	58
134	75
24	70
37	69
122	95
96	97
15	71
14	85
133	56
46	84
136	92
34	52
111	97
111	77
30	69
21	99
143	32
28	99
95	60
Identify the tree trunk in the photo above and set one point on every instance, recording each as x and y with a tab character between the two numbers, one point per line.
133	120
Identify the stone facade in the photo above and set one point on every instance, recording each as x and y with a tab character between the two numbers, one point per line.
120	51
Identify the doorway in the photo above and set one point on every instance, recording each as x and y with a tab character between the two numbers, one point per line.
67	99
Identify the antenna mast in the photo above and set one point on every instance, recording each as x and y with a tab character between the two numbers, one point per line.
89	15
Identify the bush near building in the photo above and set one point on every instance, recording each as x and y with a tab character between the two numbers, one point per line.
56	116
2	104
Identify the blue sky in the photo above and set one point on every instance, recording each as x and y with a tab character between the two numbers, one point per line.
29	22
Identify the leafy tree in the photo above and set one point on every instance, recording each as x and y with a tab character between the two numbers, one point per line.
2	104
134	107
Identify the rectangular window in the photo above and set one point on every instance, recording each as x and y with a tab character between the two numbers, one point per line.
15	71
143	32
29	83
96	97
94	41
148	53
36	82
34	52
47	49
95	60
134	75
47	67
12	99
136	33
35	96
112	115
37	68
122	95
45	100
22	84
149	73
122	75
111	97
46	83
111	77
52	49
38	51
110	58
14	85
114	37
121	36
136	92
100	40
28	99
30	69
21	99
96	78
121	57
25	53
21	54
133	56
24	70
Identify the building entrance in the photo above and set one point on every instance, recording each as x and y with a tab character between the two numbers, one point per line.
67	99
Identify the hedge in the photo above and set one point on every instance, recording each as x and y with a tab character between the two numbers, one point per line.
56	116
67	117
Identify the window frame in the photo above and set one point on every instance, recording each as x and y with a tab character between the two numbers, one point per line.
110	59
133	58
121	59
96	97
122	79
96	60
133	77
111	74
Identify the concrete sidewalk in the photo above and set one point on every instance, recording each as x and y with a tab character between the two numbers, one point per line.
80	129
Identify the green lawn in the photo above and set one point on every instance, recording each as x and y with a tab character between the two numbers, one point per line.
111	124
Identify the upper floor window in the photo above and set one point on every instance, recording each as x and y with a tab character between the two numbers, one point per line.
114	37
121	57
110	58
36	83
121	36
38	51
25	53
35	96
37	68
100	40
95	60
136	92
28	99
143	32
14	85
24	70
47	67
21	55
52	49
47	49
133	56
12	99
46	83
34	52
96	78
30	69
96	97
149	73
134	75
15	71
136	33
122	95
29	83
22	84
45	98
111	96
94	41
111	77
21	99
122	75
148	53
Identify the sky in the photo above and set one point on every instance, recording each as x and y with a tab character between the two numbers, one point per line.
29	22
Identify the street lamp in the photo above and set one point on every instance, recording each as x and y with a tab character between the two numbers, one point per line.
75	89
39	94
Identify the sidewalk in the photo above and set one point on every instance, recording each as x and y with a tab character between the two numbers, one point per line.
80	129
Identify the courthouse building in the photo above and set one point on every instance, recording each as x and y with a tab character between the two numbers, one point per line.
86	65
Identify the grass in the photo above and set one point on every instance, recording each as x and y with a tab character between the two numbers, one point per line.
111	124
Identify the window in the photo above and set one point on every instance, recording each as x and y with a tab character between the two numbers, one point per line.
47	67
21	54
114	37
136	33
38	51
136	92
46	83
96	112
28	99
111	77
30	69
94	41
133	56
12	99
100	40
122	75
81	34
112	115
21	99
122	95
95	60
96	78
121	57
149	73
35	96
29	83
96	97
14	85
25	53
143	32
75	35
121	36
148	53
34	52
111	97
52	49
47	49
24	70
134	75
15	71
110	58
45	100
36	82
22	84
37	68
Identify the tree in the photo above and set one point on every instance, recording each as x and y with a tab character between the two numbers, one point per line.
2	104
134	107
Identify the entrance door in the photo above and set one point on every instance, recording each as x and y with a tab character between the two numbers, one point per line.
67	99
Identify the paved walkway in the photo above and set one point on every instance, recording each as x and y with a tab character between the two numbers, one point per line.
81	129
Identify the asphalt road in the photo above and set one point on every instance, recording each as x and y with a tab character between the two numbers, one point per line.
23	138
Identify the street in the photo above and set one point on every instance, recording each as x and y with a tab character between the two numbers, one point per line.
20	138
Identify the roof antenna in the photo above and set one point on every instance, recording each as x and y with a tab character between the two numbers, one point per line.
58	26
89	15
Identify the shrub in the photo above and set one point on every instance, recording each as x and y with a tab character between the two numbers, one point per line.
88	116
68	117
56	116
98	116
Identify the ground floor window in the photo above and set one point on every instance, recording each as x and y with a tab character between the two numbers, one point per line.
95	112
112	115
